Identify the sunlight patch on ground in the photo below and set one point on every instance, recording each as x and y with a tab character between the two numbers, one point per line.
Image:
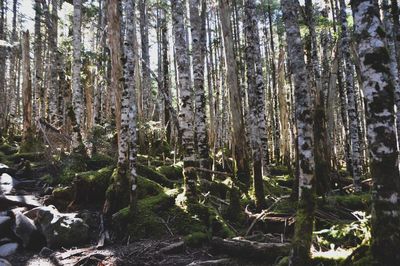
335	254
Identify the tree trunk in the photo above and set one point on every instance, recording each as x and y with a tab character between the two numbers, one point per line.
198	28
351	99
146	84
77	95
380	116
256	93
300	253
27	89
239	148
186	110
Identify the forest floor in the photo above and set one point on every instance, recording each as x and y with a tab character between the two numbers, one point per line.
162	233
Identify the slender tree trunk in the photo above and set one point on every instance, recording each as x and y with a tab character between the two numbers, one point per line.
38	78
27	89
379	96
351	99
186	110
235	100
300	253
198	29
77	96
256	96
144	33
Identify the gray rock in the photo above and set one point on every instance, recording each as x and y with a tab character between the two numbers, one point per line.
8	249
24	228
4	262
45	252
61	229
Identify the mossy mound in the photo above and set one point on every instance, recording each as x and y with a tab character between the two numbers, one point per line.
7	149
196	239
172	172
160	148
147	188
98	161
151	174
71	165
272	187
31	145
352	201
30	156
278	170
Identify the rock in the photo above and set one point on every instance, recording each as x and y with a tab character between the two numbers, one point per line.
6	183
45	252
4	262
25	229
61	229
8	249
5	222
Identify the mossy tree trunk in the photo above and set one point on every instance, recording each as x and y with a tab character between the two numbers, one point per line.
380	116
300	252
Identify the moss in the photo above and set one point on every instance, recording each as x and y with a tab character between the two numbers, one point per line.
7	149
31	156
147	188
31	145
71	165
118	193
234	212
272	187
173	172
283	262
160	147
98	161
353	201
153	175
196	239
145	222
63	193
278	170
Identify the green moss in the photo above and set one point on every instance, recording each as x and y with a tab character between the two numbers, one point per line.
160	147
326	261
196	239
151	174
66	193
71	165
7	149
283	262
98	161
147	188
353	201
173	172
278	170
272	187
31	145
30	156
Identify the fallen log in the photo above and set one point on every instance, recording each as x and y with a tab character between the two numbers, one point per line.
250	249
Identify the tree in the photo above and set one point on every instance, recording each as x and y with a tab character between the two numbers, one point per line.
300	252
197	21
76	110
27	89
351	98
380	116
239	149
186	118
256	96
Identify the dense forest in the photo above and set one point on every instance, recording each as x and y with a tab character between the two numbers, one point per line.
199	132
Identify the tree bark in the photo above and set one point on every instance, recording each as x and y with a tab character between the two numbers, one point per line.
27	89
300	252
239	148
380	116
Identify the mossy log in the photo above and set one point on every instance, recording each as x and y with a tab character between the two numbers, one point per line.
250	249
151	174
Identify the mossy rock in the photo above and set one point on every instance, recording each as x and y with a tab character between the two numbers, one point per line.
94	183
7	149
31	145
73	164
147	188
285	181
4	158
353	201
278	170
160	147
145	222
98	161
30	156
153	175
172	172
